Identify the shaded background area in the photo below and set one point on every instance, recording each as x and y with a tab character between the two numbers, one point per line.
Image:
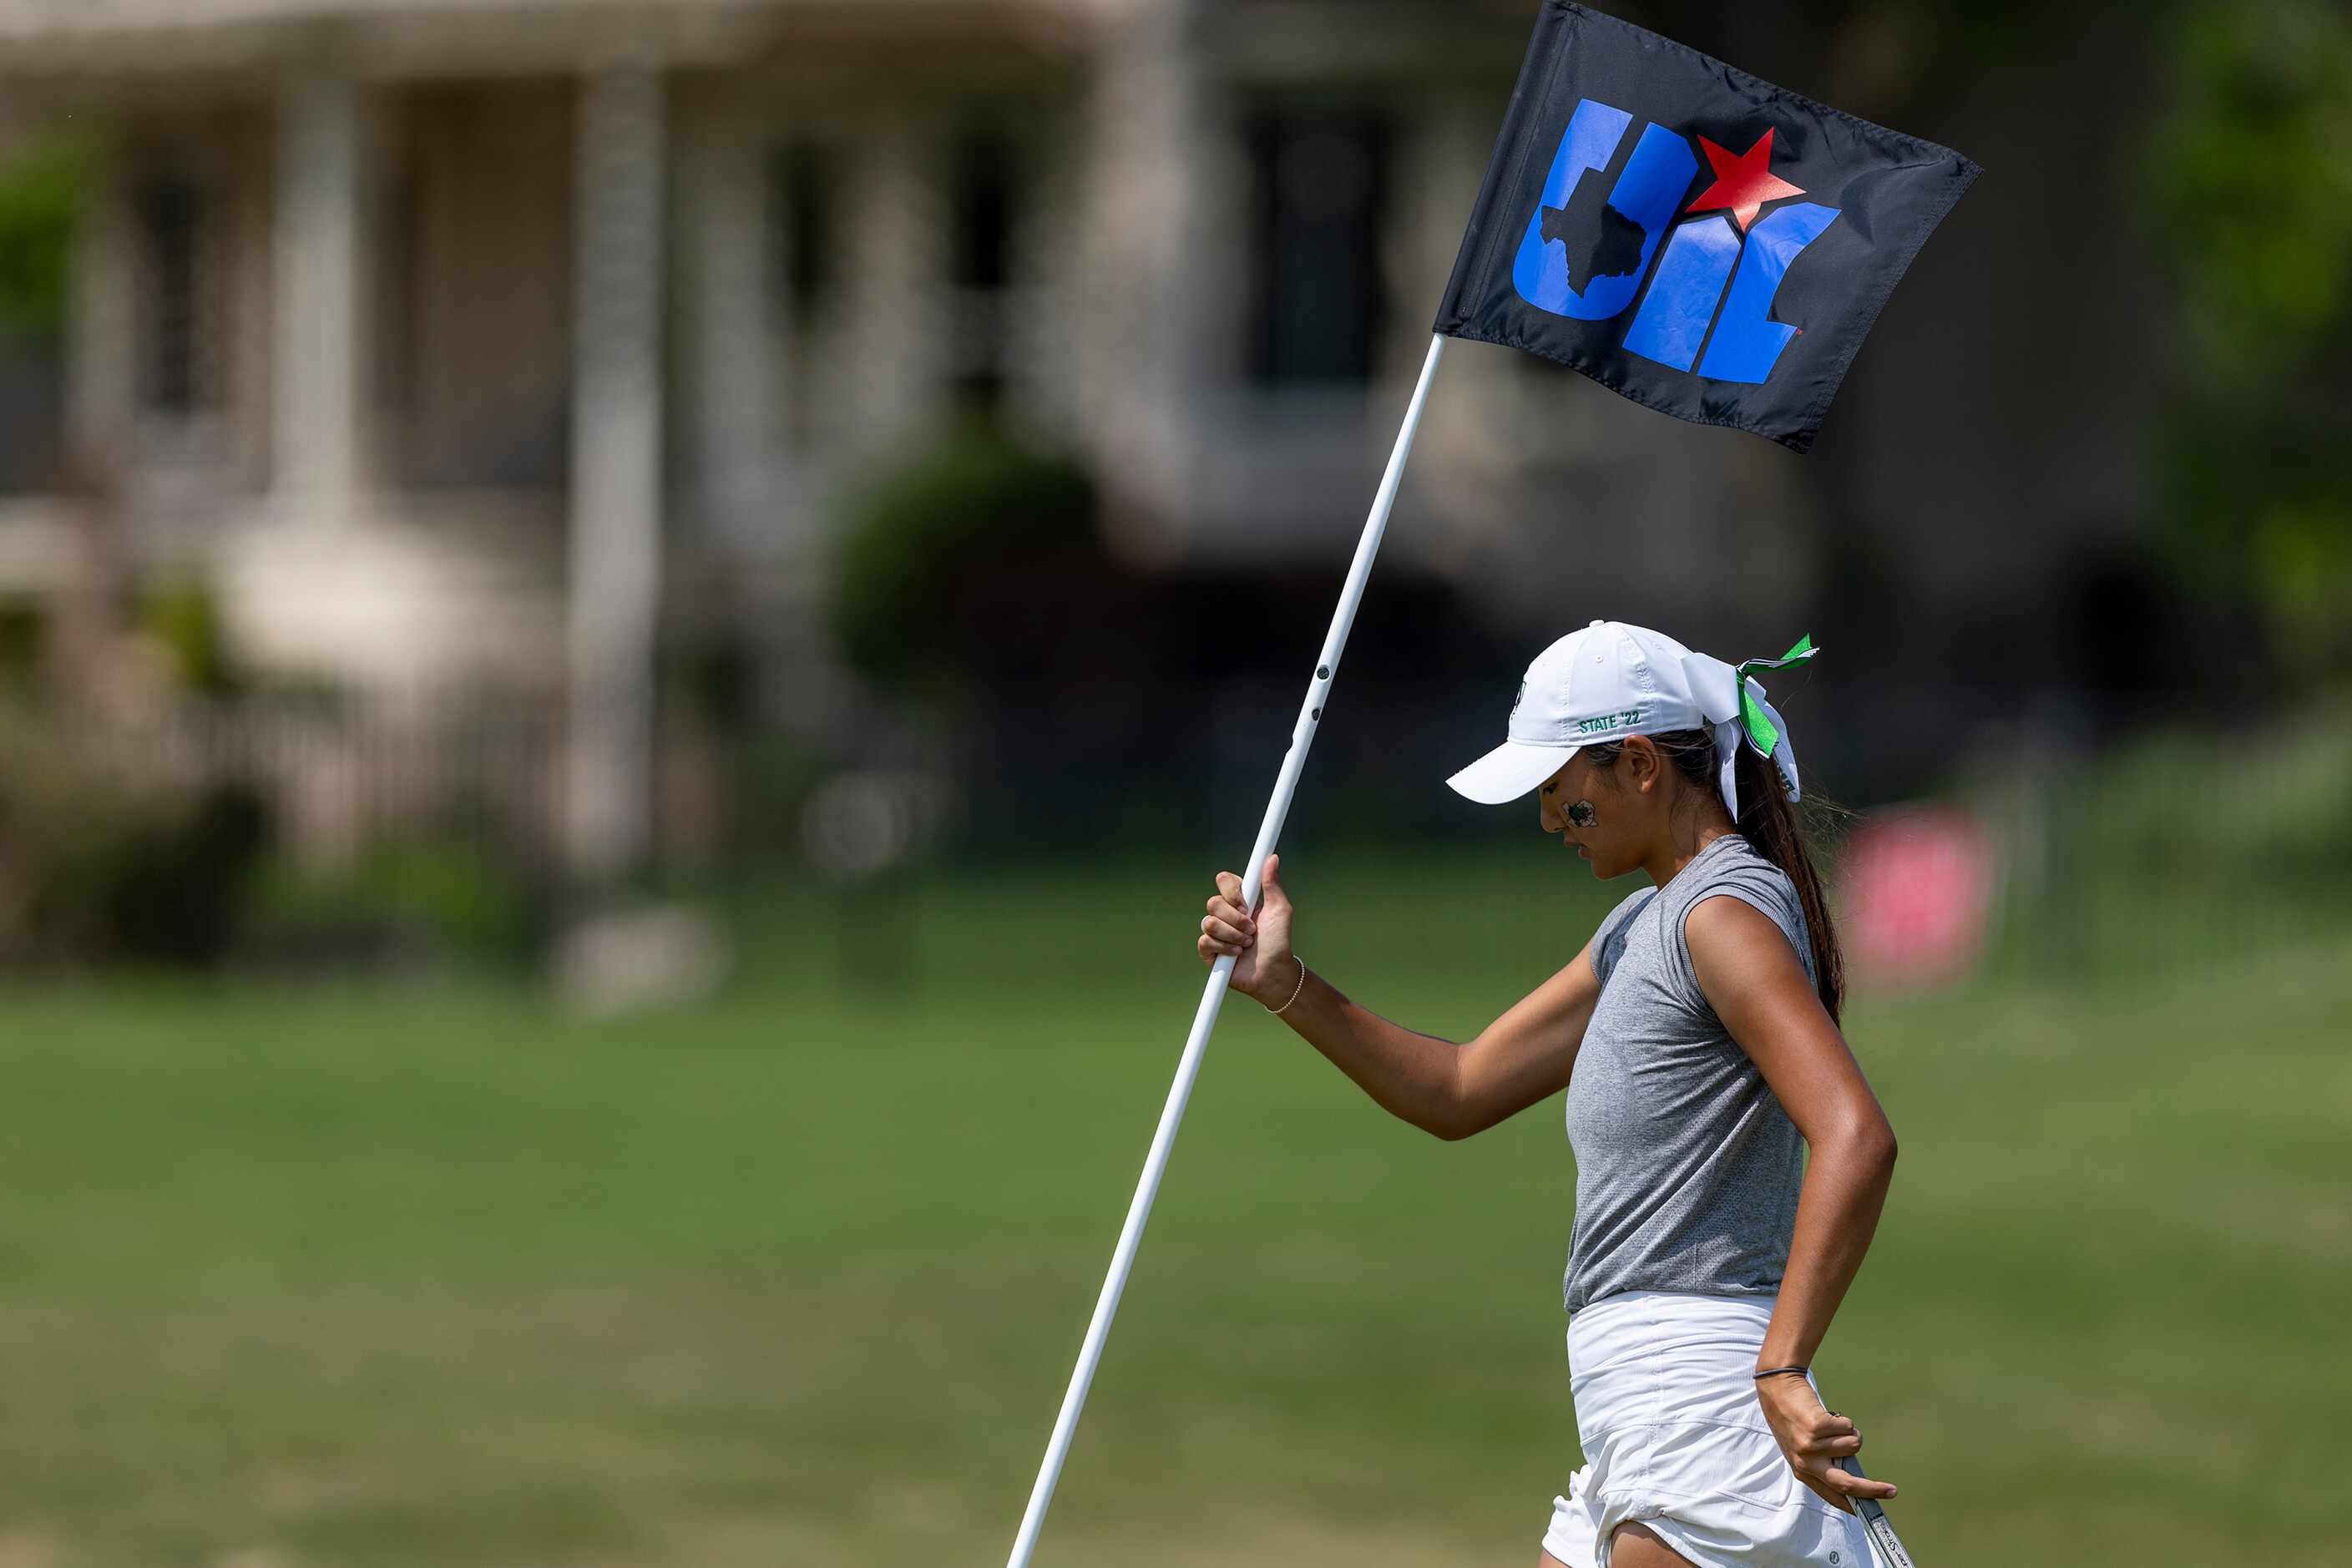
628	634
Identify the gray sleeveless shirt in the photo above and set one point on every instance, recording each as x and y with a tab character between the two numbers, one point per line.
1686	1167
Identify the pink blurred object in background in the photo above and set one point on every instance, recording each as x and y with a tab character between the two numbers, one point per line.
1918	893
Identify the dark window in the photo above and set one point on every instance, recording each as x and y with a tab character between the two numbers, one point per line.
804	239
981	200
400	274
169	213
984	213
1314	288
807	209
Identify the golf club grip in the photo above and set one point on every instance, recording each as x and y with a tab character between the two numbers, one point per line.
1883	1539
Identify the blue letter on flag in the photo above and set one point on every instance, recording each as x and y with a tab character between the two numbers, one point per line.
1747	341
1645	196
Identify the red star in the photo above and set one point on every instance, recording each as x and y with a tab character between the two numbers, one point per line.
1742	183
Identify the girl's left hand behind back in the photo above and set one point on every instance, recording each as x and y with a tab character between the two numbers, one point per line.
1813	1440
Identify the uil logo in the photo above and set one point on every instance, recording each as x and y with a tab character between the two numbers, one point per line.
1585	253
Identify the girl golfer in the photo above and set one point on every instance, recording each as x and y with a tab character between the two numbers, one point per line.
1696	1036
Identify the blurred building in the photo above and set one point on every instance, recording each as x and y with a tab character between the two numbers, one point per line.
456	338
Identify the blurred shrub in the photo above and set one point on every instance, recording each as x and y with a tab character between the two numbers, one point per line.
981	504
181	615
2187	848
41	186
100	861
2252	164
399	902
2258	808
24	637
178	895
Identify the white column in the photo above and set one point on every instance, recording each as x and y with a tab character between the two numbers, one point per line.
1156	305
616	416
895	370
731	294
314	371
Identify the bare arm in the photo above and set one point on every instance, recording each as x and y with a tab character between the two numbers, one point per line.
1757	985
1450	1090
1445	1089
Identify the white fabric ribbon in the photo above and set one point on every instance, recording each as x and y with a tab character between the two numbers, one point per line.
1715	687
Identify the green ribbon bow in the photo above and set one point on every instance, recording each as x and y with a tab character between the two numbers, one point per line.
1762	734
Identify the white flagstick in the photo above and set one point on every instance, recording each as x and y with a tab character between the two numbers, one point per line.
1310	714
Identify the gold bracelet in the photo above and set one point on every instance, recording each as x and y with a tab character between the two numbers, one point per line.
1295	990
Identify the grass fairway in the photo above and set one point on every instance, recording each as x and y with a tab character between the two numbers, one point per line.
319	1275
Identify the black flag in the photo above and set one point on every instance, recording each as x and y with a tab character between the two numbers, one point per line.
1707	244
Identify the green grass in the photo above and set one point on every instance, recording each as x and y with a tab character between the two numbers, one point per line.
326	1276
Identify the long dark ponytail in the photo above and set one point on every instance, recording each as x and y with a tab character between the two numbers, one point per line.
1771	825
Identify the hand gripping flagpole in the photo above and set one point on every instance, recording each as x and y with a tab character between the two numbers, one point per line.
1172	1115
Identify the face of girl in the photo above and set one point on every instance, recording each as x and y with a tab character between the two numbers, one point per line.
1605	814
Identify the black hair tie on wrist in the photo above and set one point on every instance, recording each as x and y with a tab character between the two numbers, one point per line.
1784	1370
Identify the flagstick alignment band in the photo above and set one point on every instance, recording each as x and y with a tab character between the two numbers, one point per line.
1187	1068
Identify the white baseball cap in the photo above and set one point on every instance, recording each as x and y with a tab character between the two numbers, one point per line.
1610	681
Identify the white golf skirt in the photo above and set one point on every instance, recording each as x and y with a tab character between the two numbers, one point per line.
1675	1440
